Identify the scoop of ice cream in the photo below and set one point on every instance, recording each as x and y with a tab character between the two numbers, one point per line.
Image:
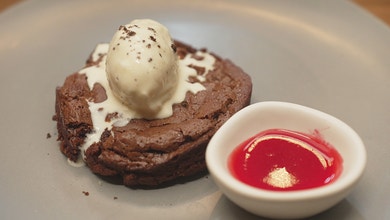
142	66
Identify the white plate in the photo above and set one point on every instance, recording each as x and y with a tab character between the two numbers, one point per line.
328	55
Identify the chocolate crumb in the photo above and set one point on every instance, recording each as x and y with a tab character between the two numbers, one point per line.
111	116
149	46
184	104
150	60
98	93
173	46
86	193
152	38
115	198
48	135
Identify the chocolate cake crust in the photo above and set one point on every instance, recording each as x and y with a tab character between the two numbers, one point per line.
152	152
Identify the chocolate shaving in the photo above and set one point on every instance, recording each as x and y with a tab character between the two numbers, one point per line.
173	46
128	32
151	29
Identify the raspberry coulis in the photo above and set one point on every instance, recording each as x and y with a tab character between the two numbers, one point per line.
285	160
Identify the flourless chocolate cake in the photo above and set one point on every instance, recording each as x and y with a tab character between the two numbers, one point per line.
149	152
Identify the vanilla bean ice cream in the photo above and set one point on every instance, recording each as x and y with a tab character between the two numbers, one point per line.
142	66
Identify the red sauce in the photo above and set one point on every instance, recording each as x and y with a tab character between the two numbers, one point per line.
282	160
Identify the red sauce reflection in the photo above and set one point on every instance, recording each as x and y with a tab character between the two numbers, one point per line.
281	160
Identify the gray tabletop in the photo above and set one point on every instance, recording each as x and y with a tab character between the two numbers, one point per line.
328	55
